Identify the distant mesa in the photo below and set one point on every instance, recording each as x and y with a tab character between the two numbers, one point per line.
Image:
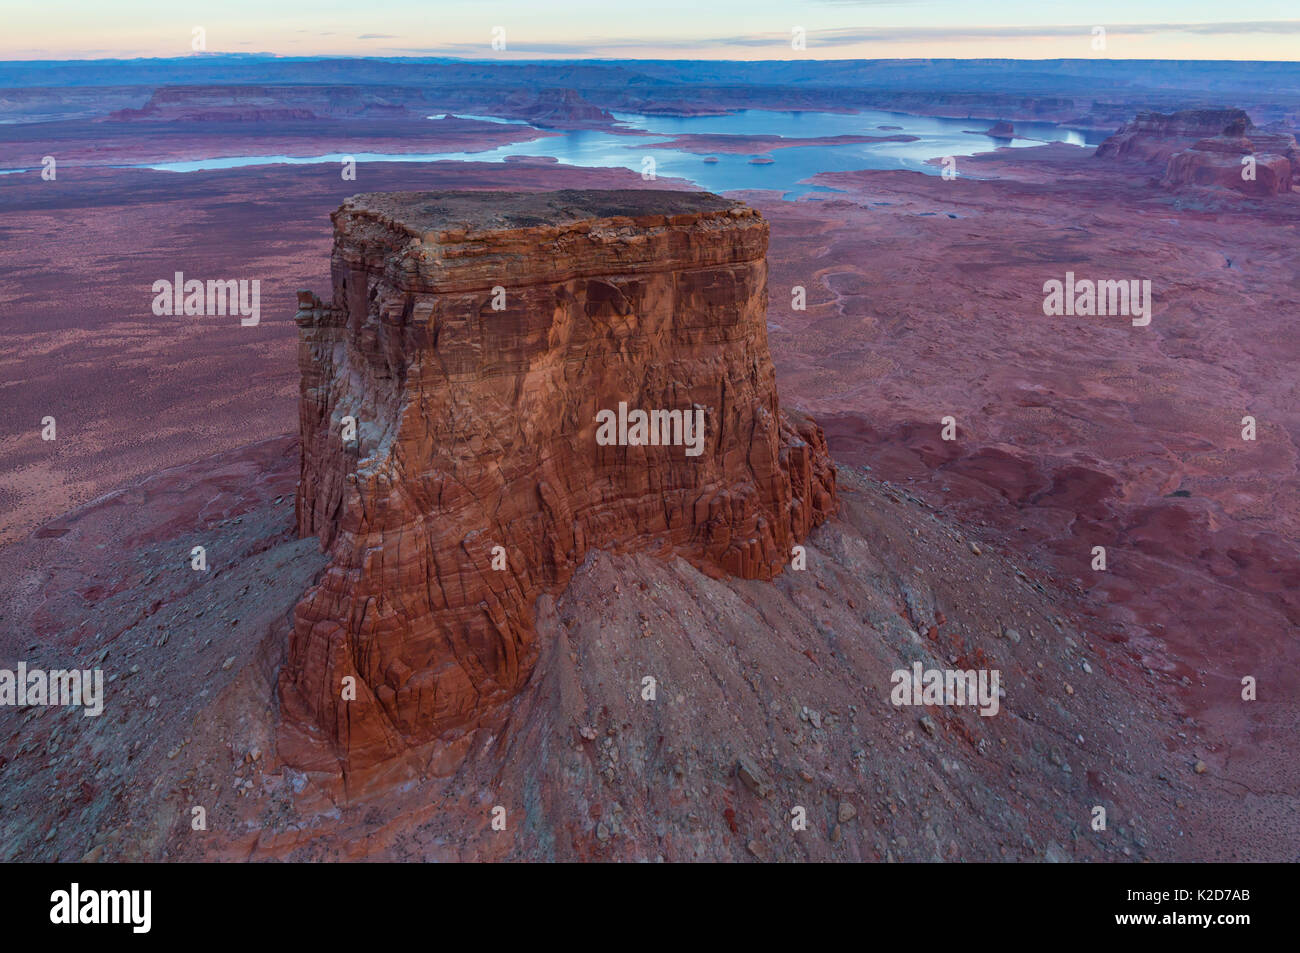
1154	137
761	160
217	103
550	105
710	160
473	339
1243	159
1209	148
999	130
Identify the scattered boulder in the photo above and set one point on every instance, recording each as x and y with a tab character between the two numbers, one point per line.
753	777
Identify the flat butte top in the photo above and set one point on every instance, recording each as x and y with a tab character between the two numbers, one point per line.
440	213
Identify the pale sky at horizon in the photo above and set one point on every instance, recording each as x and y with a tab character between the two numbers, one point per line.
703	29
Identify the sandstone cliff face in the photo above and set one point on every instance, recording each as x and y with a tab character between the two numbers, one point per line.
1206	147
474	338
1154	137
1219	162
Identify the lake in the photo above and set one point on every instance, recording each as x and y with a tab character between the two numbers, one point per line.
936	138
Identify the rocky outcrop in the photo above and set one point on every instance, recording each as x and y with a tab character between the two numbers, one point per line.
1242	158
1154	137
1209	148
547	106
479	341
999	130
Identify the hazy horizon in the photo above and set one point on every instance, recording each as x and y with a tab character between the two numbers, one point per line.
735	30
553	60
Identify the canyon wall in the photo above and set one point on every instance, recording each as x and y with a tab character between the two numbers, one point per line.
1154	137
1209	148
473	338
1241	158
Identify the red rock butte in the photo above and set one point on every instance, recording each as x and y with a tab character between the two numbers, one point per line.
473	338
1206	147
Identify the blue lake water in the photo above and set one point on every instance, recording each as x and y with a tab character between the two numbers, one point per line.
790	166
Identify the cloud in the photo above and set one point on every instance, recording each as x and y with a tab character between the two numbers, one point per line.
377	36
851	36
854	36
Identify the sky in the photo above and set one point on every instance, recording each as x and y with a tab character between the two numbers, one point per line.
656	29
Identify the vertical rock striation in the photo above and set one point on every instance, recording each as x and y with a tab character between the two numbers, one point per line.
474	337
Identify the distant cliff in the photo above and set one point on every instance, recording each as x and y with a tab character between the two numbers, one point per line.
1154	137
1209	148
1243	159
553	106
230	103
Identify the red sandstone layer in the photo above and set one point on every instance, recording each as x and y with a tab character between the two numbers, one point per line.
475	338
1209	148
1154	137
1259	165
